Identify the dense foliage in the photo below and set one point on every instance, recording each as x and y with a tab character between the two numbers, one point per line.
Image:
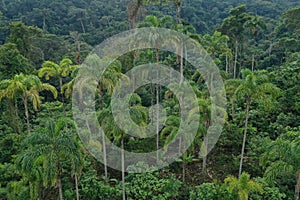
256	46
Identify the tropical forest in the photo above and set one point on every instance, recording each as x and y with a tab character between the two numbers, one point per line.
108	99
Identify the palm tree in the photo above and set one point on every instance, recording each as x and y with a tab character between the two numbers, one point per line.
243	185
139	115
283	157
49	147
107	81
63	69
153	21
28	87
254	87
231	85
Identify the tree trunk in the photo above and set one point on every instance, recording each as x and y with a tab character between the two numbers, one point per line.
100	95
297	186
82	26
13	115
76	186
59	188
181	63
245	134
104	154
62	95
252	63
204	166
235	58
227	64
157	109
44	24
26	113
123	167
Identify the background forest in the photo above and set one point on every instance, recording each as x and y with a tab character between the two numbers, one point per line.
254	43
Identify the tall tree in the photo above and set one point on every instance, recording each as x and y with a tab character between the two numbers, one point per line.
28	87
254	87
254	25
50	147
153	21
234	27
24	36
59	71
12	62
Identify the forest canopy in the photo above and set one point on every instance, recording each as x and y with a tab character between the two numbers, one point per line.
255	46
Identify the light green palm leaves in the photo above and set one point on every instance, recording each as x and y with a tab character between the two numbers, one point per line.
242	186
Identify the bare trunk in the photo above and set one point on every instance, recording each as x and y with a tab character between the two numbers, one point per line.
59	188
14	118
78	56
44	24
76	186
245	134
123	167
297	186
235	58
100	96
82	26
252	63
204	165
62	95
181	63
227	63
26	113
157	108
227	60
104	154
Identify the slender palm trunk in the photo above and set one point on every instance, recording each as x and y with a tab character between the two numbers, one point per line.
245	134
227	60
26	112
204	165
181	63
76	186
44	24
62	95
252	63
104	154
235	58
82	26
205	141
297	187
59	188
14	118
157	108
227	63
123	167
100	96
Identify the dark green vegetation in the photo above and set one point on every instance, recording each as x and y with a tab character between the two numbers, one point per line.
256	47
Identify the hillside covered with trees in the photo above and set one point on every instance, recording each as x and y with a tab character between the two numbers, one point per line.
255	45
